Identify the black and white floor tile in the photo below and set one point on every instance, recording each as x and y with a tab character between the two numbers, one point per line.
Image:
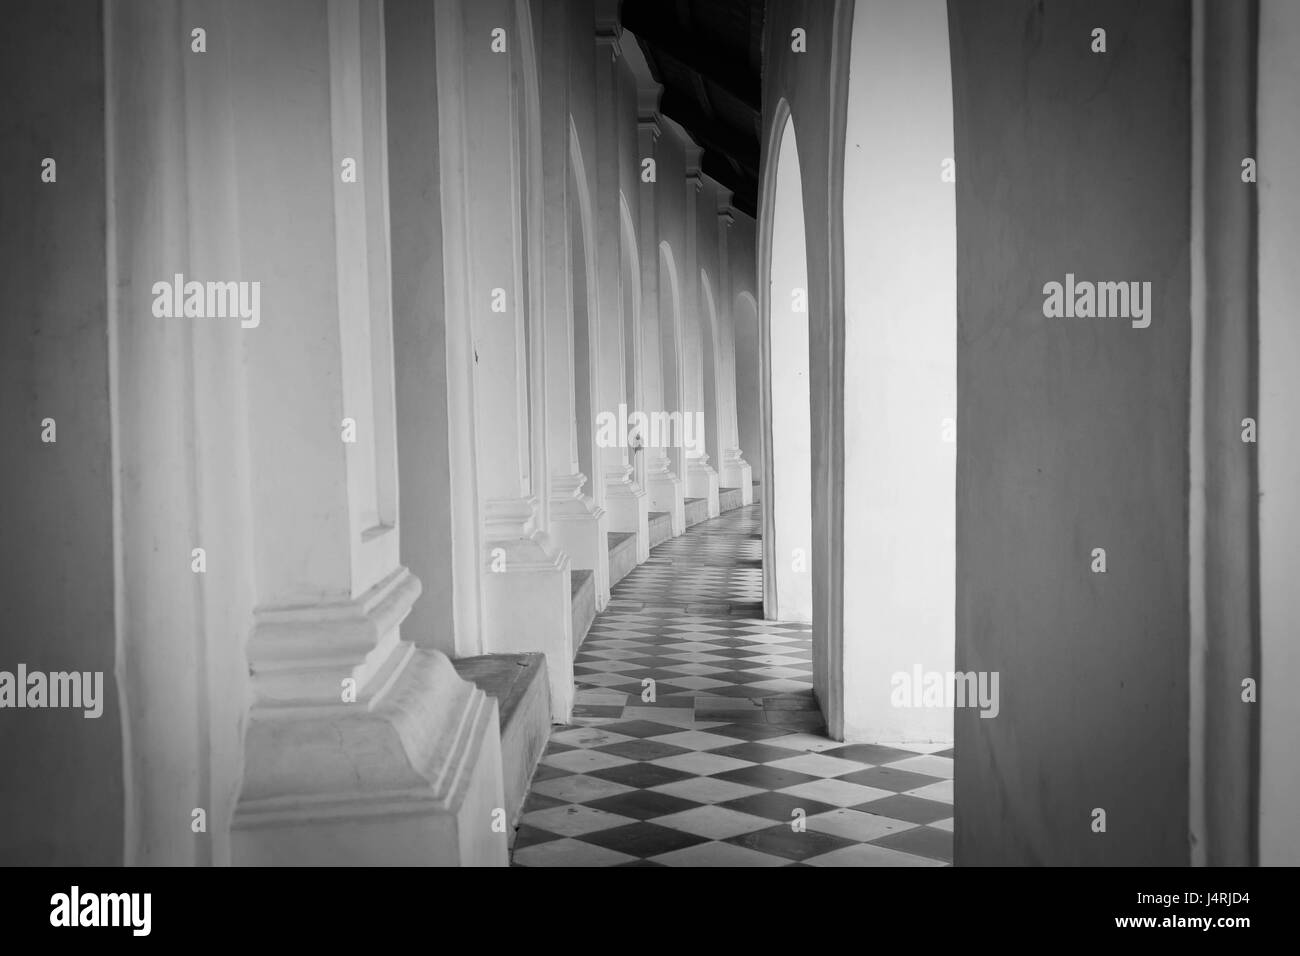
728	763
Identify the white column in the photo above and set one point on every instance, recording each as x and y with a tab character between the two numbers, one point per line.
357	747
436	462
578	524
701	479
734	471
666	490
357	744
483	106
671	349
179	423
625	500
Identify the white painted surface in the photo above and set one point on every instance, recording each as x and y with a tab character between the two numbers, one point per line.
790	494
900	367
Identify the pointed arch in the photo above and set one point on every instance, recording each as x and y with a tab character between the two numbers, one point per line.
787	462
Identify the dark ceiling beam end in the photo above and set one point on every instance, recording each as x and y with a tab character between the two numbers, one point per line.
724	72
709	133
743	188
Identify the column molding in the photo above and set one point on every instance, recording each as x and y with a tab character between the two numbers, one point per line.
299	528
701	478
734	471
487	170
625	501
577	521
665	488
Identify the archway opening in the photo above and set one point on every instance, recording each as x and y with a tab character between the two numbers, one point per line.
787	491
710	352
630	266
899	388
749	420
670	328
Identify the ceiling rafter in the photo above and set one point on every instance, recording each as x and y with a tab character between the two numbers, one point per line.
724	71
711	81
709	133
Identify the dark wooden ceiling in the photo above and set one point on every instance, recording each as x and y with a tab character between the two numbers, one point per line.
707	54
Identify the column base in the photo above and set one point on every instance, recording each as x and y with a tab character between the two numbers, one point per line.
407	776
702	482
527	598
629	507
578	528
667	492
736	473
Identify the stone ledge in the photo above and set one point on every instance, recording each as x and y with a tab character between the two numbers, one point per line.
584	605
518	683
697	510
622	555
661	527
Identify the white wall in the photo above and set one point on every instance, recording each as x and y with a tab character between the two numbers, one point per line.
900	367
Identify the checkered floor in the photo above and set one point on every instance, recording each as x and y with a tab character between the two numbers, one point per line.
727	765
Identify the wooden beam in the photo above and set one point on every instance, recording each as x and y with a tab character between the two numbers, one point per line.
727	72
709	133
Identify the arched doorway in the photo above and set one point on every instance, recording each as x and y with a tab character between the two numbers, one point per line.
899	363
709	352
630	265
787	450
670	333
748	391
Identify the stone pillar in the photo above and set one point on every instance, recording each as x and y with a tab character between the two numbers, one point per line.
160	190
701	479
436	460
578	525
1100	410
625	500
1224	525
486	96
64	799
666	490
1278	139
671	350
734	471
261	414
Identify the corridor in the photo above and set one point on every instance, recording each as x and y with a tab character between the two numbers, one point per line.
614	432
727	764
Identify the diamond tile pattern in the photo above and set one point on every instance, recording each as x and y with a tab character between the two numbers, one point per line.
726	763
